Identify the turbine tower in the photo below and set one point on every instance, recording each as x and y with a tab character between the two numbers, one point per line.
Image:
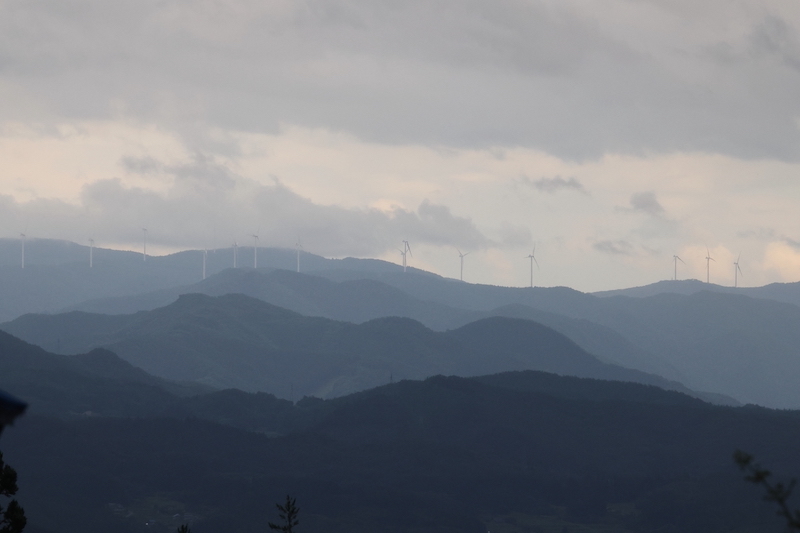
255	250
22	237
406	249
532	257
299	247
462	256
205	256
736	271
144	250
91	250
675	259
235	252
708	265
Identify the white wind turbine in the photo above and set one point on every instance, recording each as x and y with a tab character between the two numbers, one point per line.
205	257
736	271
22	237
708	265
403	254
675	260
255	250
91	252
299	247
532	257
235	252
144	249
462	256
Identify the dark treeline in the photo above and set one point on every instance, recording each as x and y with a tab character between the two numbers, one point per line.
514	452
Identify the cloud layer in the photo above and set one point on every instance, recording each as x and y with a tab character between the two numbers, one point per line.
208	206
574	79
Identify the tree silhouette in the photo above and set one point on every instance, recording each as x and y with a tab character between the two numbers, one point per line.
184	528
288	513
778	492
12	518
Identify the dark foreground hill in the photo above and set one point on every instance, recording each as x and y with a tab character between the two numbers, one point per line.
238	341
517	452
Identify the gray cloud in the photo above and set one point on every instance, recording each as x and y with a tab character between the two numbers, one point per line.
233	208
644	202
552	76
791	242
618	247
760	234
553	185
775	37
141	165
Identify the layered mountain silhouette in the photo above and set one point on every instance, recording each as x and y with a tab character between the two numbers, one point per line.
242	342
361	300
721	349
518	451
707	341
780	292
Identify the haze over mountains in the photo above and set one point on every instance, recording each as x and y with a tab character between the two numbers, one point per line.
191	400
235	341
740	347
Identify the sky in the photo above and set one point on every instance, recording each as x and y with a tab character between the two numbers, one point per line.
610	135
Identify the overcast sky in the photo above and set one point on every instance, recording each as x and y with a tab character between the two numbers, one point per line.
610	134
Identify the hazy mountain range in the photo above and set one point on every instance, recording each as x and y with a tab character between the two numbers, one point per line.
728	344
241	342
341	401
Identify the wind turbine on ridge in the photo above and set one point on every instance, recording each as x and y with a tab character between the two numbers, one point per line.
532	257
462	256
144	250
22	237
406	250
736	272
299	247
255	250
235	252
708	265
675	259
91	250
205	257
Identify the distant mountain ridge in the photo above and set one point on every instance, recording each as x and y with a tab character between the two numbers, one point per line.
647	333
239	341
359	300
780	292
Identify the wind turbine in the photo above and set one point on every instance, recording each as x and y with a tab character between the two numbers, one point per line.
255	250
91	250
406	249
462	256
144	250
736	271
708	265
532	257
235	252
675	259
205	256
22	237
299	247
